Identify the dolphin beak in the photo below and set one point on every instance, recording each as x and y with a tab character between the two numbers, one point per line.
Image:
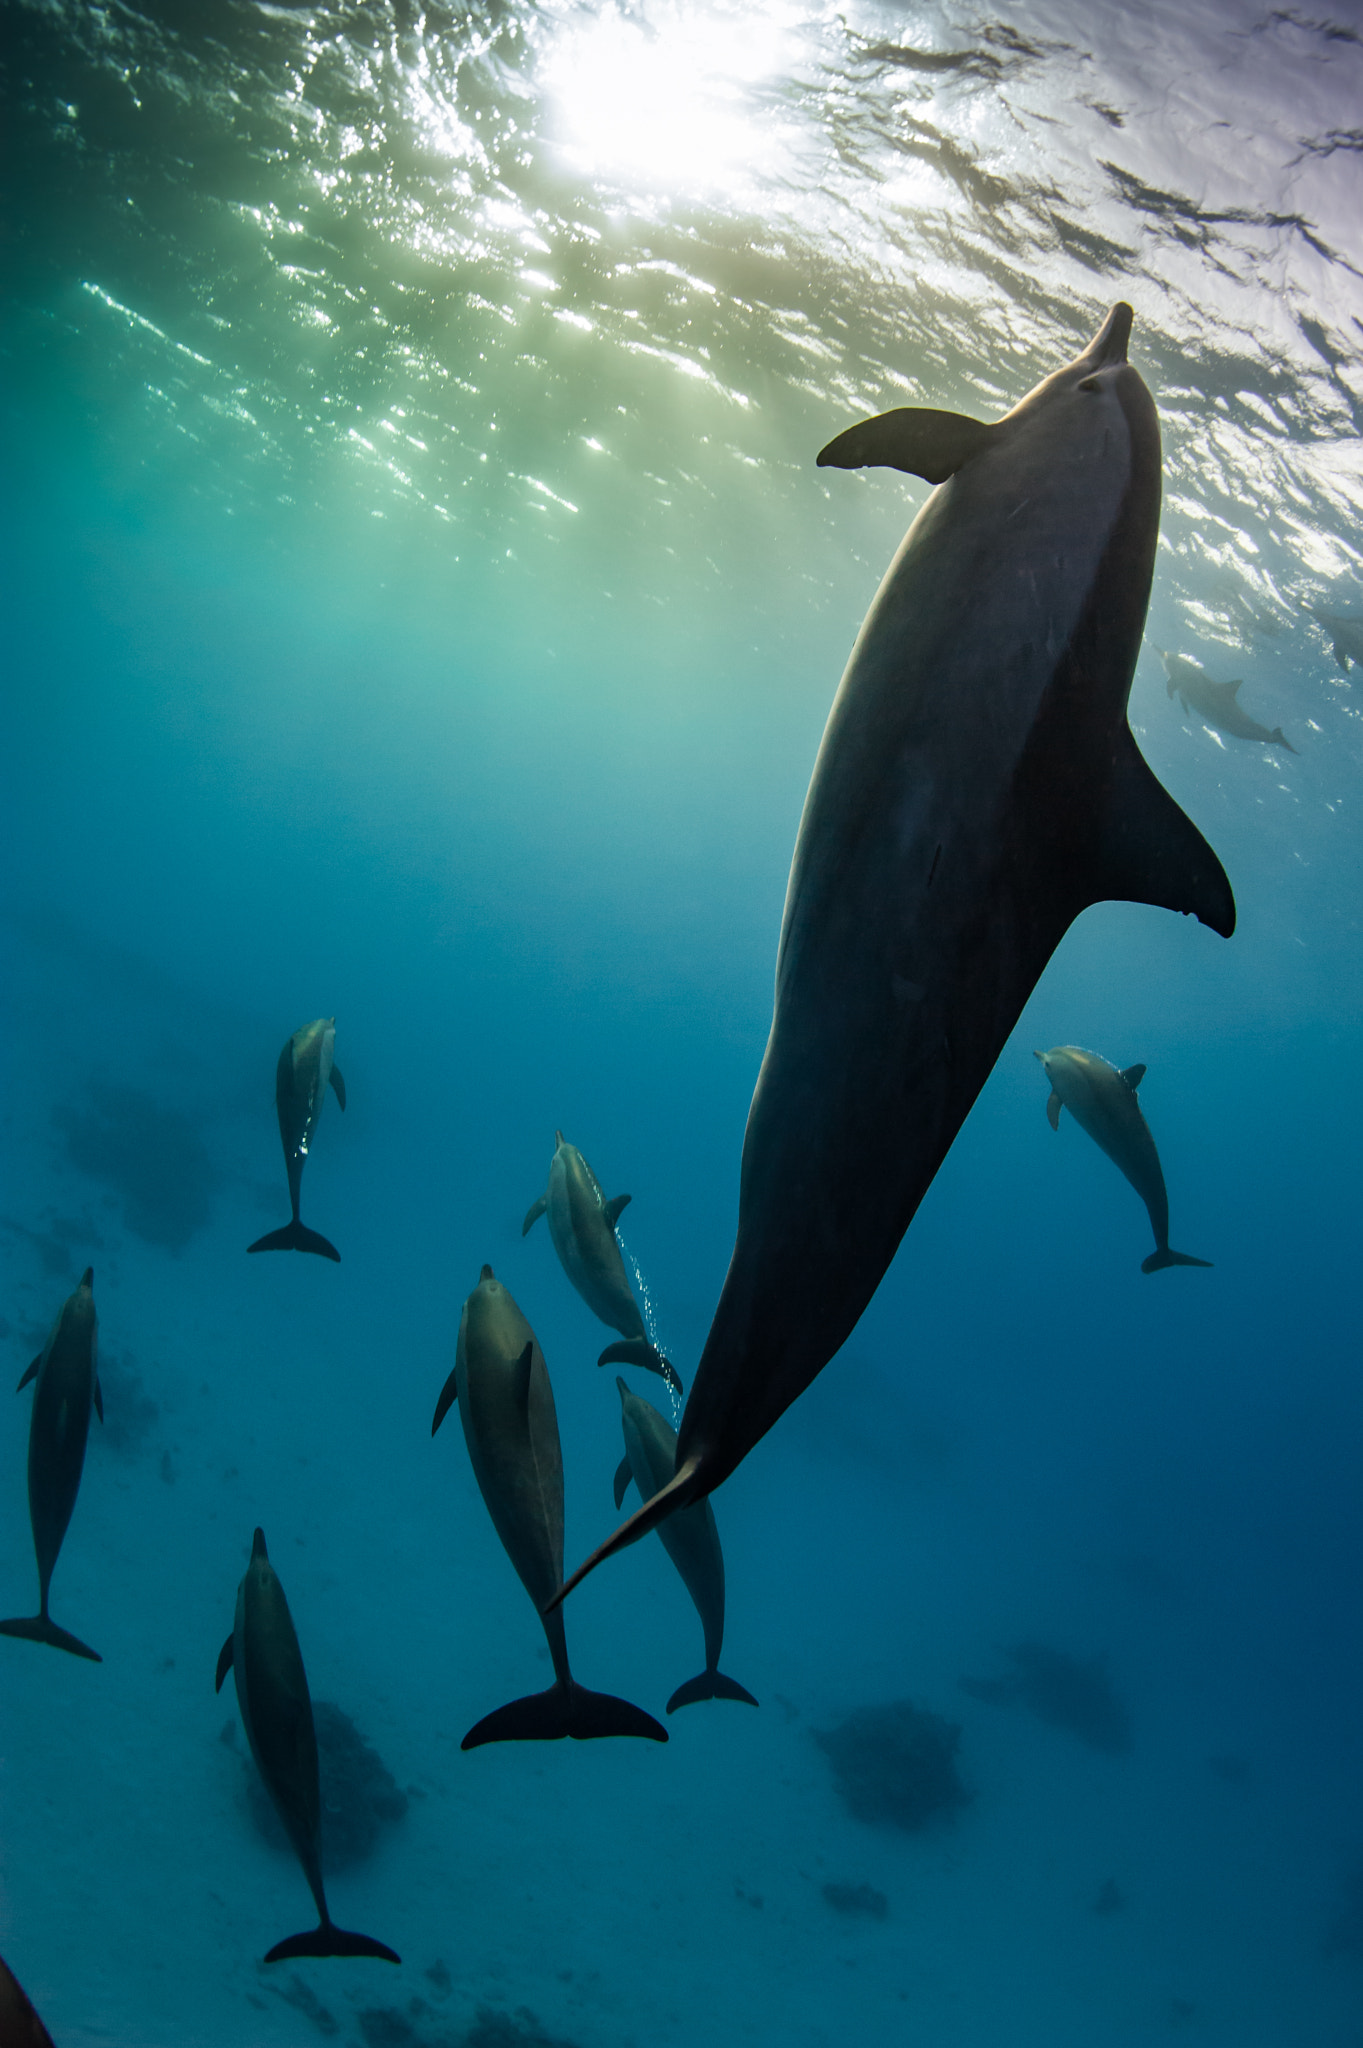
1109	343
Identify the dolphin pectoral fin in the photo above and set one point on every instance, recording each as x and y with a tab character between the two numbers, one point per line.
1133	1076
638	1351
1053	1108
296	1237
615	1209
339	1085
1157	1261
449	1394
224	1663
1280	739
710	1685
623	1475
1150	851
915	438
328	1940
99	1399
679	1492
31	1374
38	1628
533	1214
563	1710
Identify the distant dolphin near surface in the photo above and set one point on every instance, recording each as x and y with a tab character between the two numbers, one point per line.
689	1537
1345	630
1217	703
977	787
582	1225
506	1405
1102	1100
263	1656
305	1066
68	1387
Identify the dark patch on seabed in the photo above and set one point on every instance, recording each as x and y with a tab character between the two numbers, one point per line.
63	1246
388	2026
1066	1692
896	1765
151	1158
857	1900
360	1795
129	1410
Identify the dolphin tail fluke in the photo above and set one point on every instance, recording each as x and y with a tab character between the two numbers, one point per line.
296	1237
679	1492
327	1940
563	1710
38	1628
638	1351
1165	1257
711	1685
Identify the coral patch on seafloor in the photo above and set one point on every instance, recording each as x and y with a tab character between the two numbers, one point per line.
857	1899
1071	1693
896	1765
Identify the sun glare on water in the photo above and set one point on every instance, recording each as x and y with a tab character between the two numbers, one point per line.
671	97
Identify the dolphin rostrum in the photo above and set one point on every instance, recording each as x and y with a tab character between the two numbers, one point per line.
689	1537
1217	704
582	1224
1345	630
1102	1100
305	1066
68	1386
506	1405
263	1656
977	787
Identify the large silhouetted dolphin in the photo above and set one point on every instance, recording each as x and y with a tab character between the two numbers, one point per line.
977	787
68	1387
263	1655
1102	1100
305	1066
582	1225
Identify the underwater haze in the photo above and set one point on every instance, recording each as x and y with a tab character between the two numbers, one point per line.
422	607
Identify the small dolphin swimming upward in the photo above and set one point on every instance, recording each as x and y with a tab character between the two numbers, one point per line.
1346	632
689	1537
305	1067
977	787
68	1385
263	1656
1217	704
582	1224
1102	1100
506	1405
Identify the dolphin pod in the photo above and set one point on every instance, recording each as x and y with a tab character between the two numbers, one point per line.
582	1225
977	787
1102	1100
263	1656
506	1405
689	1537
306	1064
68	1386
1217	703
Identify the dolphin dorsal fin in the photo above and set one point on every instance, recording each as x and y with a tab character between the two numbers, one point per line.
623	1474
1133	1076
520	1378
914	438
1149	851
1053	1108
615	1208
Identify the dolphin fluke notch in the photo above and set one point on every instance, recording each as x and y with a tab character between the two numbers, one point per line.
710	1685
564	1710
1166	1256
638	1351
296	1237
328	1940
39	1628
679	1492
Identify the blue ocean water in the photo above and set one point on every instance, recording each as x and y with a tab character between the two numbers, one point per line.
422	606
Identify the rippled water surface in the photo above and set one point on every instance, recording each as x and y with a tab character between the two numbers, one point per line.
422	605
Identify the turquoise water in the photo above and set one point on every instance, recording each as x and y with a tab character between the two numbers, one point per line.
422	606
